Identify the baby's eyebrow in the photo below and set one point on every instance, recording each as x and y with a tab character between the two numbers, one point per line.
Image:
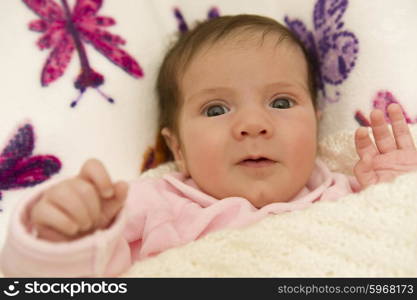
285	84
212	91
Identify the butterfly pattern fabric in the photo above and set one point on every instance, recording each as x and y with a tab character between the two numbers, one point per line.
332	49
19	168
66	31
381	101
182	24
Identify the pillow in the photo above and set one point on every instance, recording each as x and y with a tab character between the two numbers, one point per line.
111	74
43	134
369	60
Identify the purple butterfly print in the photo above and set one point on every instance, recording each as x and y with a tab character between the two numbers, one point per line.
333	50
182	24
18	168
381	102
65	30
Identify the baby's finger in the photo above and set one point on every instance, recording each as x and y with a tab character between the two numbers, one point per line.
383	138
65	197
95	172
364	171
121	188
364	143
46	214
400	128
89	198
111	207
49	234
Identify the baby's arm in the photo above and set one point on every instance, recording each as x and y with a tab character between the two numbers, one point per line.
78	206
61	215
391	155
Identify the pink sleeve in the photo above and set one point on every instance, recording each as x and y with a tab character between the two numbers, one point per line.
104	252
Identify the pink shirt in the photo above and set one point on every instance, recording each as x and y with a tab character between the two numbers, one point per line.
159	214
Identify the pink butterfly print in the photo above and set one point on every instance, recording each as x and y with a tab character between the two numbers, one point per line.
332	49
65	30
18	168
381	101
182	24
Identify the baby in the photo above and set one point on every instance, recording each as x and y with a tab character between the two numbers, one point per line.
238	114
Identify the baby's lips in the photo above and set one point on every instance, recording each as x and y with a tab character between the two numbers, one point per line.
255	158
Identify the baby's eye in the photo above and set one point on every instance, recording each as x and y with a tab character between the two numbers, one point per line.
215	110
282	103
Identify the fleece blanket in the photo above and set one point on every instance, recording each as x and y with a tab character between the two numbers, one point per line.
369	234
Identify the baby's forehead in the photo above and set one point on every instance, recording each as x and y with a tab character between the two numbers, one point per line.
237	40
220	51
270	44
268	56
251	37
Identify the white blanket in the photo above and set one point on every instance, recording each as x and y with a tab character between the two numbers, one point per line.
369	234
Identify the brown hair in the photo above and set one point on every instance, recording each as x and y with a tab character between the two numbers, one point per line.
185	48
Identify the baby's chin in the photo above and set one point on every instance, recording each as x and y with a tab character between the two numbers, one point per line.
258	197
262	196
262	200
279	188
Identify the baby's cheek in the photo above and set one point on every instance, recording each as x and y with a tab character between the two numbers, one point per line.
203	157
305	149
206	158
304	155
205	168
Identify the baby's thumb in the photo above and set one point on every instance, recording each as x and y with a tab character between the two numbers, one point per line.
121	188
111	207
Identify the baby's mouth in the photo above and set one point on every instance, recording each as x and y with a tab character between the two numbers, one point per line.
257	162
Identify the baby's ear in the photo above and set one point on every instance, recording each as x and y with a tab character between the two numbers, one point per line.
174	145
169	138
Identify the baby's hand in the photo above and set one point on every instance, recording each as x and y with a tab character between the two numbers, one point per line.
391	154
78	206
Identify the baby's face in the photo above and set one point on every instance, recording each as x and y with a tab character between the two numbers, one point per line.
247	126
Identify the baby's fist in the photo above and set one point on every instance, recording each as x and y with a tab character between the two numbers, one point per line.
78	206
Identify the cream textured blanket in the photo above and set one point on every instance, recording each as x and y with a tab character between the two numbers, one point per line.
369	234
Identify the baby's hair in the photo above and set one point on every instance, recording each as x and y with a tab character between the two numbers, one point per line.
208	33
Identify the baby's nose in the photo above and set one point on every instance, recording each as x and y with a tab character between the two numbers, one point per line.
253	130
257	125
